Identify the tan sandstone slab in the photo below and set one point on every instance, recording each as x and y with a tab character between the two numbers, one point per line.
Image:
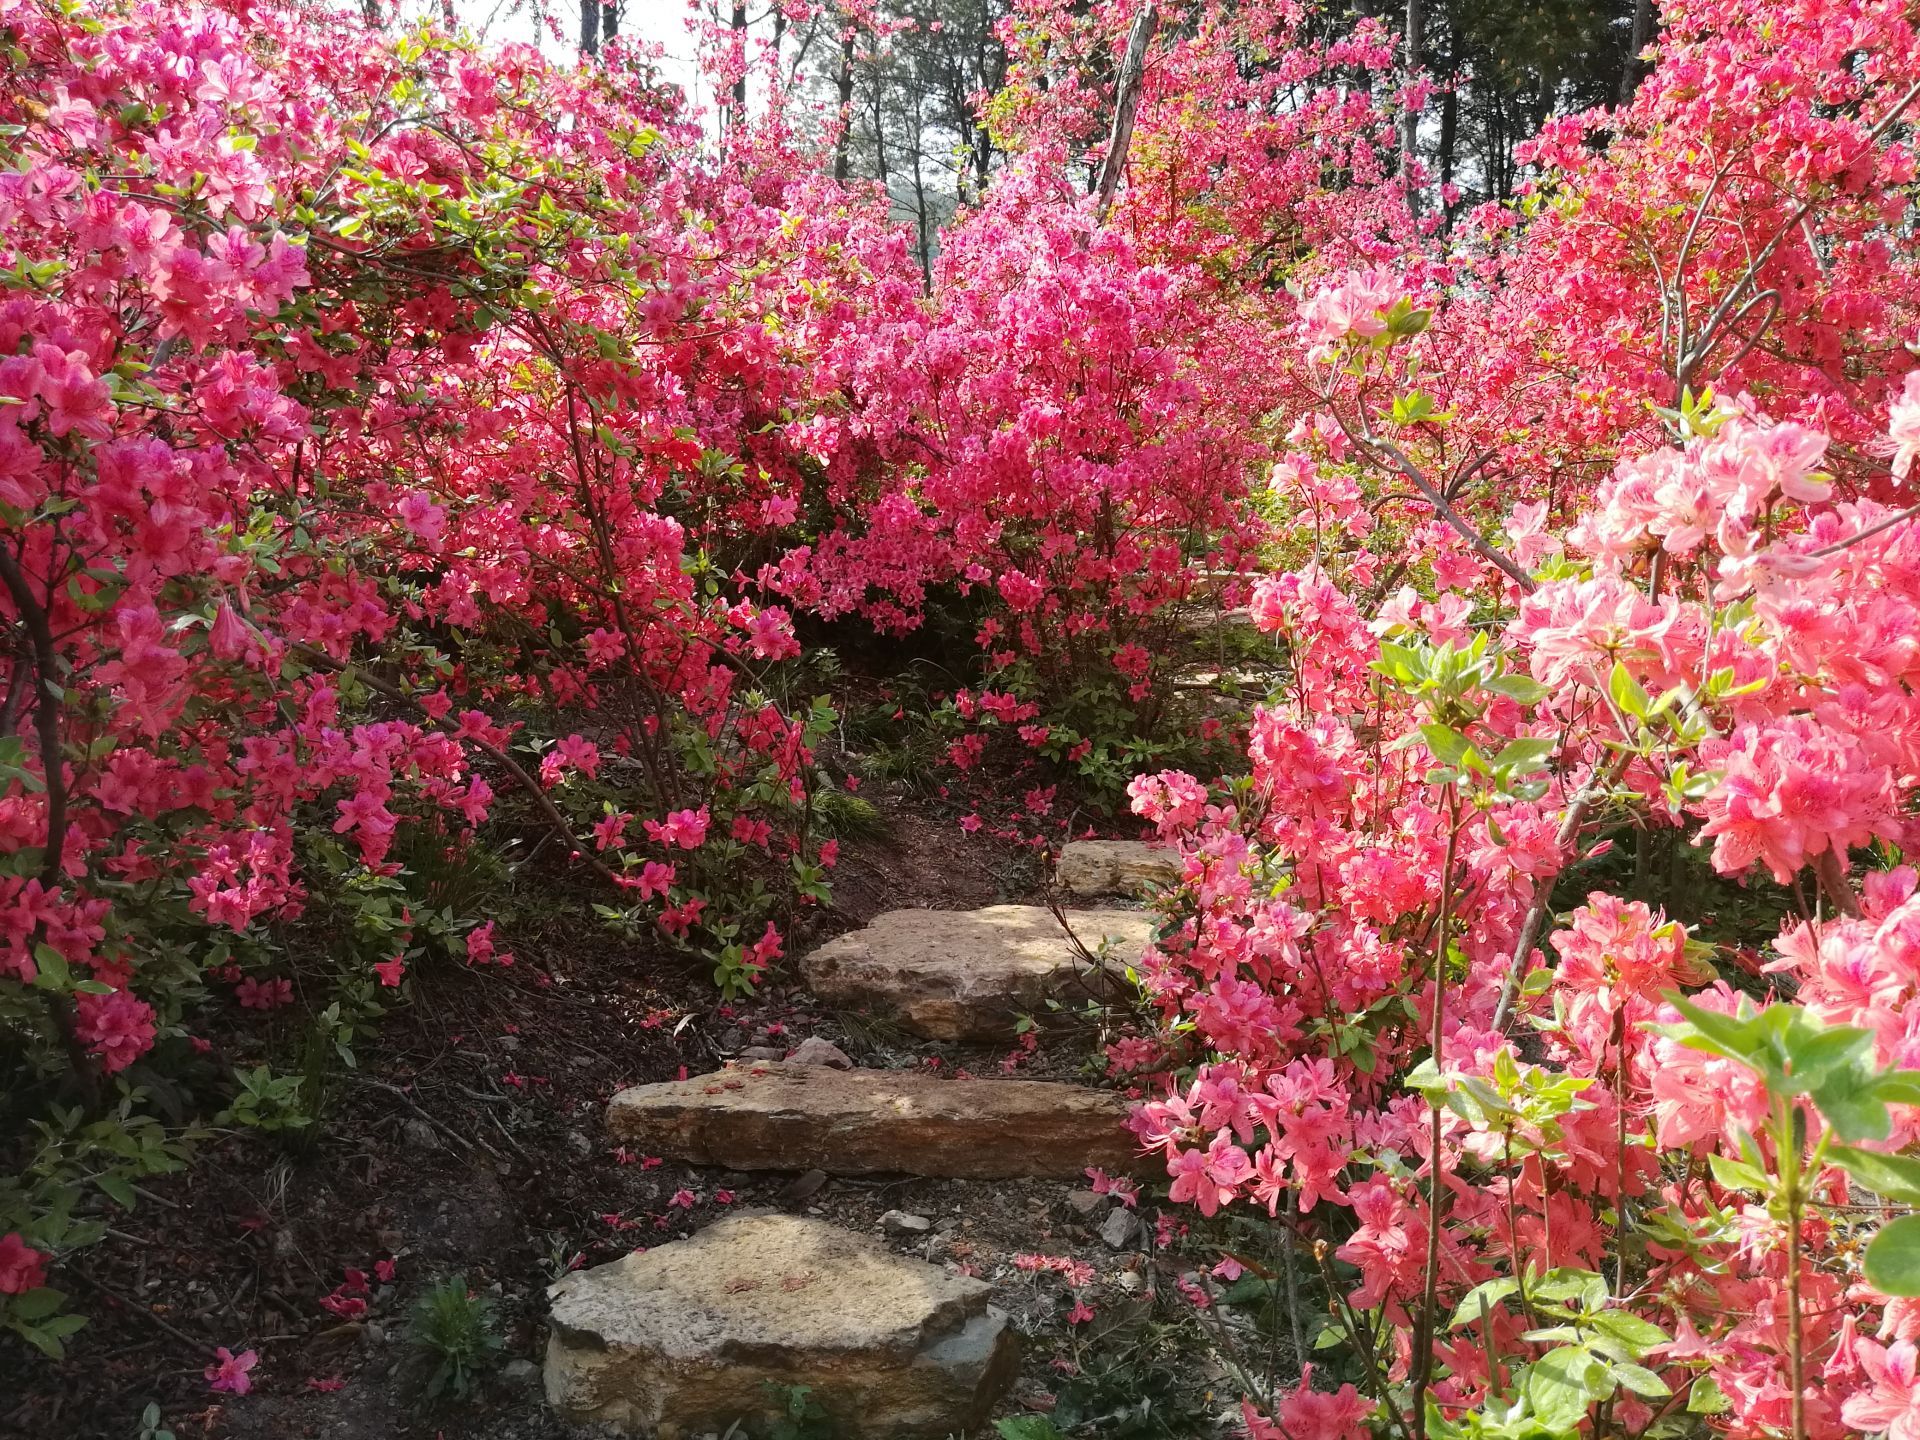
769	1116
966	974
687	1339
1136	868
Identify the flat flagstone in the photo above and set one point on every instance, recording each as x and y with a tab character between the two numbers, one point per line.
692	1337
770	1116
967	974
1134	868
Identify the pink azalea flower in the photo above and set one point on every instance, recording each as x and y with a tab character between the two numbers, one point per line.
22	1268
1892	1404
229	1371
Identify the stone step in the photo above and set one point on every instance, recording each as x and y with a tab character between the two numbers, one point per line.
1133	868
687	1339
966	974
770	1116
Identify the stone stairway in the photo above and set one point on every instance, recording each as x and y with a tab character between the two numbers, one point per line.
967	974
773	1116
682	1341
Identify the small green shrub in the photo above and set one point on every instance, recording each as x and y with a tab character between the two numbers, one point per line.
458	1330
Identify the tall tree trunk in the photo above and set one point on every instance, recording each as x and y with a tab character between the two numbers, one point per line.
1410	113
921	225
1502	151
1126	97
740	85
880	134
1450	113
843	147
609	20
1642	37
590	26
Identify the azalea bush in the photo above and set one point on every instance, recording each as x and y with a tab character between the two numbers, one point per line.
1654	1205
382	438
1558	1164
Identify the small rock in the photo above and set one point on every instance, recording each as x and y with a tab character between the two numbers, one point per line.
966	975
693	1336
579	1144
373	1335
814	1050
1121	1228
520	1372
1084	1202
874	1122
1116	867
902	1222
1131	1281
419	1135
509	1042
808	1184
762	1052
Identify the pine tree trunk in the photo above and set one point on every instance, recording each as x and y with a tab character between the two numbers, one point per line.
843	147
740	85
1642	36
1450	113
590	26
922	228
1410	113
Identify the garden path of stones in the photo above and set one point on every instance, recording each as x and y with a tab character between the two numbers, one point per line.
685	1340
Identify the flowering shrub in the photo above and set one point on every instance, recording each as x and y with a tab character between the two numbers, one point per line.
1650	1208
380	434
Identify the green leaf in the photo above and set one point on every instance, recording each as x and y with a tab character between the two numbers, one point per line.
1448	745
117	1188
1521	688
1637	1335
1735	1174
1896	1087
1028	1427
1815	1053
1719	1034
1892	1261
54	974
1628	693
1851	1112
1487	1293
1526	754
1641	1381
1707	1398
35	1304
1563	1384
1566	1283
